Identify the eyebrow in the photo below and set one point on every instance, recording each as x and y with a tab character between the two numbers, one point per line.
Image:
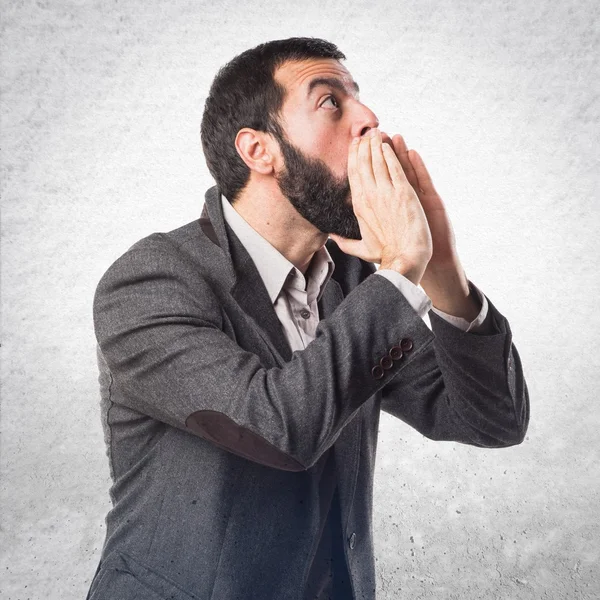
333	82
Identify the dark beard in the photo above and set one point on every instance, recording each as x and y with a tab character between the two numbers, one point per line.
314	191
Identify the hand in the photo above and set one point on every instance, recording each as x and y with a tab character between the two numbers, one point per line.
444	255
392	222
444	280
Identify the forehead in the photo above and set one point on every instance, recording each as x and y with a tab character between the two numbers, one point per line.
296	76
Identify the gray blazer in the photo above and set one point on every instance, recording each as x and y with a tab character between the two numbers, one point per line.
218	436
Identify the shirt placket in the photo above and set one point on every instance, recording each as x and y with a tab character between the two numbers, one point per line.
300	309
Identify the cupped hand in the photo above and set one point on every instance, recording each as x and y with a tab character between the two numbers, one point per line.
392	222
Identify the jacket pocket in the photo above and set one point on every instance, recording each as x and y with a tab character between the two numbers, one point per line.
121	577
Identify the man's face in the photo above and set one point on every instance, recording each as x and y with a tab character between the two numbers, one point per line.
321	114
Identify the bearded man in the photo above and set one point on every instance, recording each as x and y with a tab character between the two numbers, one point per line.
245	357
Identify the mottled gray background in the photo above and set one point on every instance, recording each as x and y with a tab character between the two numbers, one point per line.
101	105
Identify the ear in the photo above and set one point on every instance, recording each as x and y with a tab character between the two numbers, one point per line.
256	150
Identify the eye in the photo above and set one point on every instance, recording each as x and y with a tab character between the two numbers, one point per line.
333	100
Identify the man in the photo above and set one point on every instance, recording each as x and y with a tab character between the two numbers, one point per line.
245	357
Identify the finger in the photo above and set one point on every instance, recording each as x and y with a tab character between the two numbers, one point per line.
395	170
365	168
379	165
422	174
354	175
348	246
402	153
386	139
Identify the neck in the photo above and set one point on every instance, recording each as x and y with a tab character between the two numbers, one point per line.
270	213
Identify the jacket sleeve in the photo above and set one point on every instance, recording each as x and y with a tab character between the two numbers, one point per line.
160	330
466	387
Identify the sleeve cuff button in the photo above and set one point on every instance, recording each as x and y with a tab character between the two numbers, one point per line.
396	353
406	344
386	363
377	372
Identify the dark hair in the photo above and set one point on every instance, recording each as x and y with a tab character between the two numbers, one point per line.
244	93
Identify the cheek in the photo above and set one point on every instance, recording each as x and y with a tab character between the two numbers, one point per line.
327	146
341	162
335	156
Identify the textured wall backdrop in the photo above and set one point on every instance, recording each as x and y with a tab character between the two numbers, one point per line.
101	105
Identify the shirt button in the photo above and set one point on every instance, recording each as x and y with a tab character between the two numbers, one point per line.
352	541
305	313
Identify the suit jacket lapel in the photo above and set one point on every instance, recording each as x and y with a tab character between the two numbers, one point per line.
331	297
248	288
251	294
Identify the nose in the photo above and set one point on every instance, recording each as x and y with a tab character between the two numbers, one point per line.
363	120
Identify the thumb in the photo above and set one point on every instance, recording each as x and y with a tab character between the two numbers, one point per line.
348	246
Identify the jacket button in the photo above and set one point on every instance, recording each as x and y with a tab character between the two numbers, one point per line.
386	362
305	313
352	541
396	353
406	344
377	372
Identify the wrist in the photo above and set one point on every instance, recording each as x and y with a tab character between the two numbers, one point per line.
403	269
450	293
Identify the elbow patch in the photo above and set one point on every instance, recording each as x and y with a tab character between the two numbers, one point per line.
226	433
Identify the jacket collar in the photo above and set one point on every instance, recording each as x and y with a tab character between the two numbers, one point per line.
247	286
275	269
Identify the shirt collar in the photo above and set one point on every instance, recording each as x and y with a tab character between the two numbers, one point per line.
276	270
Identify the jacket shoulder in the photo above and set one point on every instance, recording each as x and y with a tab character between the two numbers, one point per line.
170	242
162	263
182	245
